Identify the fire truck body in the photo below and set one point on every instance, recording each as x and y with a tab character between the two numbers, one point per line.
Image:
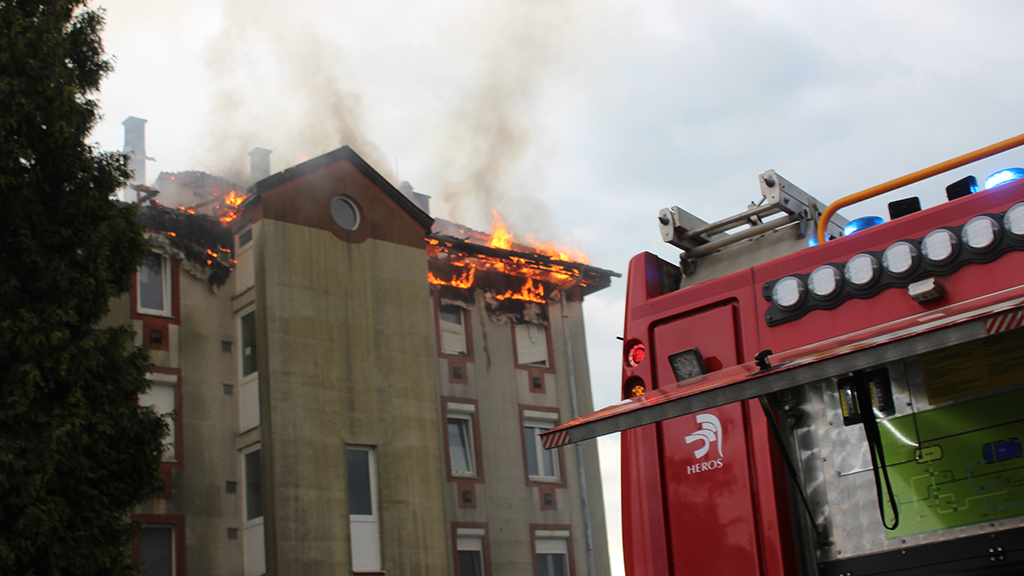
851	408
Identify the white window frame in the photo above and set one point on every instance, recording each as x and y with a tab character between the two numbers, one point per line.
464	413
164	381
165	273
528	353
255	559
540	421
451	331
471	540
248	384
552	543
364	529
239	247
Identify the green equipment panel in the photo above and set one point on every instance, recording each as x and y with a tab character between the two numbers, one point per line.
957	465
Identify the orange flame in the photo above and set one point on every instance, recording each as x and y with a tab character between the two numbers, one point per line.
522	266
530	292
500	236
464	281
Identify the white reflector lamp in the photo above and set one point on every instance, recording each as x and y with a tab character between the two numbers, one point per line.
900	259
939	246
788	293
926	290
862	270
824	282
980	233
1013	220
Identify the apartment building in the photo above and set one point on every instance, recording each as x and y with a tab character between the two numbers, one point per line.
339	406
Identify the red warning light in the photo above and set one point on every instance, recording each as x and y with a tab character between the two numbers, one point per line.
636	354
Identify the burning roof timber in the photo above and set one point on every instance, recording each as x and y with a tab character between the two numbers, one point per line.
202	243
464	258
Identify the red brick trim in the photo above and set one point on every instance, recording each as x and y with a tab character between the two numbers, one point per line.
478	453
568	544
558	451
179	538
534	371
158	321
459	361
166	468
486	544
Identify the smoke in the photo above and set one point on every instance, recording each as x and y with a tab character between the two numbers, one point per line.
495	146
278	83
306	77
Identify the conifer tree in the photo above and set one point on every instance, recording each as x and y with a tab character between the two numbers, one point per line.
77	453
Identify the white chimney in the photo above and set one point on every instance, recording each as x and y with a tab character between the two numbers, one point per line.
135	148
259	164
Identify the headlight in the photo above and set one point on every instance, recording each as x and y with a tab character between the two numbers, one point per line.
939	246
900	259
862	270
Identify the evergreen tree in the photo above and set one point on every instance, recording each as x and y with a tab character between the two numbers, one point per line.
76	451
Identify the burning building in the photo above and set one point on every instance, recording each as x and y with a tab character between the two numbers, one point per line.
354	387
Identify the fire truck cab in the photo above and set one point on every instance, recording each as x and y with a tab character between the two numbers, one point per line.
853	407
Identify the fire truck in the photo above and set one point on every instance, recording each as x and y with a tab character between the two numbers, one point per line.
806	395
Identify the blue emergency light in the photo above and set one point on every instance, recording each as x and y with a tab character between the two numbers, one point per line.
862	223
1003	176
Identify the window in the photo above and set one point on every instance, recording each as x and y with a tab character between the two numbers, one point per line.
255	561
248	333
161	397
156	550
541	464
453	330
470	551
154	285
461	445
362	508
249	392
345	213
253	485
245	270
552	554
532	344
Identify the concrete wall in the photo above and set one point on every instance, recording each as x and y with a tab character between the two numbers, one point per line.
346	337
207	421
506	501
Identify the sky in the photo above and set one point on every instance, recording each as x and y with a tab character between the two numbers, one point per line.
578	121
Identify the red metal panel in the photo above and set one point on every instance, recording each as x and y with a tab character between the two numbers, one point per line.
708	493
784	362
644	531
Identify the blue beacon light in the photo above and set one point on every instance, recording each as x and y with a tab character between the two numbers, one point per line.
1003	176
862	223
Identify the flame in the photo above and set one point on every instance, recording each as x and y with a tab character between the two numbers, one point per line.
233	199
519	262
500	236
463	281
530	292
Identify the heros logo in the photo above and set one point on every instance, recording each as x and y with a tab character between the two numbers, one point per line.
710	433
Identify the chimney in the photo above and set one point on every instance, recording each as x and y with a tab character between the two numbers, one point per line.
420	200
259	164
135	148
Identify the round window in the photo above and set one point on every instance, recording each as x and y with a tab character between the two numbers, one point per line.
345	213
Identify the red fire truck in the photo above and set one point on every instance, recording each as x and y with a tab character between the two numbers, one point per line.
851	407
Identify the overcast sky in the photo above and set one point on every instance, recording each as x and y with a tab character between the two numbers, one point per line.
577	120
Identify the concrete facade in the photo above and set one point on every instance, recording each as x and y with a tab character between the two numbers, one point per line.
310	368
